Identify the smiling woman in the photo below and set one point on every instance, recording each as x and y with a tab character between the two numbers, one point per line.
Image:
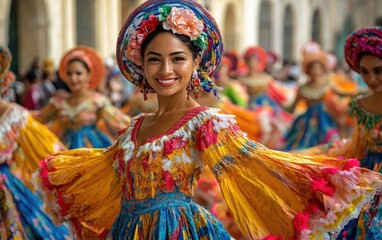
142	186
169	70
76	117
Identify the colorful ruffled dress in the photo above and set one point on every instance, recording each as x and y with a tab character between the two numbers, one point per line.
266	99
366	140
145	192
23	142
93	123
315	126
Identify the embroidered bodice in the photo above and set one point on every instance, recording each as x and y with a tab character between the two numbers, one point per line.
73	117
369	126
257	84
70	118
167	163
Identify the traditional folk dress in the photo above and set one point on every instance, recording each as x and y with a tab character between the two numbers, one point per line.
139	192
23	143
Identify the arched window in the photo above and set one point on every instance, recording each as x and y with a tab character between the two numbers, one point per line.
85	14
265	34
229	28
316	27
288	32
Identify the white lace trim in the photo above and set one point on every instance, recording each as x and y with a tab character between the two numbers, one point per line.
14	119
185	132
319	225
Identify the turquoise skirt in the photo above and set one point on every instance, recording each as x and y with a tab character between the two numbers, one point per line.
167	216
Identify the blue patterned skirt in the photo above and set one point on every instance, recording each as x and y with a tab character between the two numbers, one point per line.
21	212
87	136
167	216
372	161
316	126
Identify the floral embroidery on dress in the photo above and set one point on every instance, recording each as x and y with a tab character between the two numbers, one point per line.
11	122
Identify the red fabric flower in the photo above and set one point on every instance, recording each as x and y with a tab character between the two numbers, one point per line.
332	171
145	163
149	25
321	185
206	135
172	144
300	222
166	175
312	208
271	237
137	38
350	163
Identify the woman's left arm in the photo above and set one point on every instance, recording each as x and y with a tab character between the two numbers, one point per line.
110	118
268	191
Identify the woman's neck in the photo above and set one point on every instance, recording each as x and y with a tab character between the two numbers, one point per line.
80	94
376	97
175	103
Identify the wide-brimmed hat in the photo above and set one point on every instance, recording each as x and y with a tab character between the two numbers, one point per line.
185	17
259	53
362	41
89	56
309	58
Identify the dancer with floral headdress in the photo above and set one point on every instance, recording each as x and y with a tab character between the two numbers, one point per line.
76	117
23	143
363	52
142	186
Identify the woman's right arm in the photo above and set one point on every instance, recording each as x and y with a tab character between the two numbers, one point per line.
48	113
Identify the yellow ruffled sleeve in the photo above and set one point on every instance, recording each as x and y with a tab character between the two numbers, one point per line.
276	193
81	187
35	142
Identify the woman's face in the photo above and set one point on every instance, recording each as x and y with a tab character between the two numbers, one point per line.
253	63
371	72
316	70
168	65
77	76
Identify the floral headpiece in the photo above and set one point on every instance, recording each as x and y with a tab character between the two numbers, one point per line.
92	60
185	17
361	41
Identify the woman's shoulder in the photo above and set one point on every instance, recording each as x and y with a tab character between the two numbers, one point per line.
358	111
100	99
15	117
60	97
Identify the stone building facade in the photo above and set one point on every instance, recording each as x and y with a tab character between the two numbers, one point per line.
47	28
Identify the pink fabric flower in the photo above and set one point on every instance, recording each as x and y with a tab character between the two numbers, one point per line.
300	222
321	185
172	144
137	38
350	163
184	21
331	171
272	237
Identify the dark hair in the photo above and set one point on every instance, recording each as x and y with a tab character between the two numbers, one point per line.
185	39
80	61
32	76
